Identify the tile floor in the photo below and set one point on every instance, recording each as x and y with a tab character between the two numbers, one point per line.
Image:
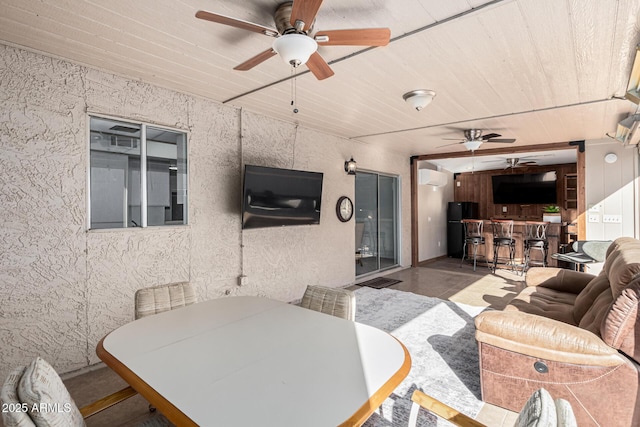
446	278
443	278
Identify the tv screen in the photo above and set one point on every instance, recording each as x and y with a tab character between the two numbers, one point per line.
277	197
530	188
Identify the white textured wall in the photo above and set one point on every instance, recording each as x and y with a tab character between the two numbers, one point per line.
62	288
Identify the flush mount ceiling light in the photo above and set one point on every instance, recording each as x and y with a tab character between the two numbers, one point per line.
295	49
610	158
419	98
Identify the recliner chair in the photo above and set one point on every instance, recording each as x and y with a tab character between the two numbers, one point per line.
575	334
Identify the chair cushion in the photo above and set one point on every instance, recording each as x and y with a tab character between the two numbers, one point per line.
158	299
539	411
40	387
336	302
14	414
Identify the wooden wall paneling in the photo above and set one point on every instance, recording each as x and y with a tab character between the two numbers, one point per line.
477	187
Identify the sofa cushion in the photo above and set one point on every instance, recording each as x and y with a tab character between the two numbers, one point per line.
592	304
608	306
40	387
622	264
545	302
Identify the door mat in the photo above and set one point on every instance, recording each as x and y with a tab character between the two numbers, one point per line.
379	283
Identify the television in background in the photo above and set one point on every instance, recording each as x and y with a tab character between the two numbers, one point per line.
529	188
274	197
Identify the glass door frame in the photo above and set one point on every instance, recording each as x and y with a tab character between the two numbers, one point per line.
397	226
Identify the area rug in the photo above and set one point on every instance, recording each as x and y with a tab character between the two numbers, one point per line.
379	282
440	338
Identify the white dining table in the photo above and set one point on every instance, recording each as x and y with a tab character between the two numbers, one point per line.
251	361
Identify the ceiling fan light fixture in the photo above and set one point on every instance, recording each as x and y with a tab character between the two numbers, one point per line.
419	98
473	144
295	49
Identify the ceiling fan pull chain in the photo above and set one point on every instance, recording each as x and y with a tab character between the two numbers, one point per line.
294	94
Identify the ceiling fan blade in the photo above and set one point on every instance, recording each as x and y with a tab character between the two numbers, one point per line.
305	11
258	59
453	139
490	135
504	140
356	37
448	145
319	67
238	23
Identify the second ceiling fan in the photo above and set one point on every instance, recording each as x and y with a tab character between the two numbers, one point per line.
294	42
473	139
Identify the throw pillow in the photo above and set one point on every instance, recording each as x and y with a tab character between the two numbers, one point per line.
539	411
48	400
14	413
566	417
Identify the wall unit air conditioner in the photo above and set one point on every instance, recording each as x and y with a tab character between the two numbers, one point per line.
123	141
431	177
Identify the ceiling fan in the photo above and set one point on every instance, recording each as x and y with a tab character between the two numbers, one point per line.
516	162
473	139
294	43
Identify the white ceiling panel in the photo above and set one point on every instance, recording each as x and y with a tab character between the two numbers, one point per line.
540	71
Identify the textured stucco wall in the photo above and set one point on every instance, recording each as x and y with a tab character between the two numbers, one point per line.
62	288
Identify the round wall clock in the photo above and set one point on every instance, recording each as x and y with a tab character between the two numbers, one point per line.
344	209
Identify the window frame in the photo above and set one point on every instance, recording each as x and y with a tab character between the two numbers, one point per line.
143	169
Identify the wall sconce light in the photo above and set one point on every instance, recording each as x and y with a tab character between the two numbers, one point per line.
350	167
420	98
610	158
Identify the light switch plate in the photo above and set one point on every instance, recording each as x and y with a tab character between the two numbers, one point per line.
594	218
614	219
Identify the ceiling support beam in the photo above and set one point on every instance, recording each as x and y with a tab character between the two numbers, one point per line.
493	151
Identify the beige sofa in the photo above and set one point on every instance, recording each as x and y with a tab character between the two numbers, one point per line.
575	334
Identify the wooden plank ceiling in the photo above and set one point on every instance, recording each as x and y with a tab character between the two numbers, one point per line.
540	71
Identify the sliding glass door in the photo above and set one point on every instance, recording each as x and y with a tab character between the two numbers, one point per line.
376	213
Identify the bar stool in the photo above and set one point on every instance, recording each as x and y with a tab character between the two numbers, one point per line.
503	238
472	235
535	237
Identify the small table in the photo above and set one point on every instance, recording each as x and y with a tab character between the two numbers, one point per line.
247	361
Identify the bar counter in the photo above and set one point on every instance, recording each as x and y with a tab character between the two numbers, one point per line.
554	237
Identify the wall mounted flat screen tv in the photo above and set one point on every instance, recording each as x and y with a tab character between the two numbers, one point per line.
528	188
275	197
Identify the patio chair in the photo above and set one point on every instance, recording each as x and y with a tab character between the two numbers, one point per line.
157	299
539	411
336	302
38	385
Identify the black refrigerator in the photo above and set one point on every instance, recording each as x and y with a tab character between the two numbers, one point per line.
457	211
